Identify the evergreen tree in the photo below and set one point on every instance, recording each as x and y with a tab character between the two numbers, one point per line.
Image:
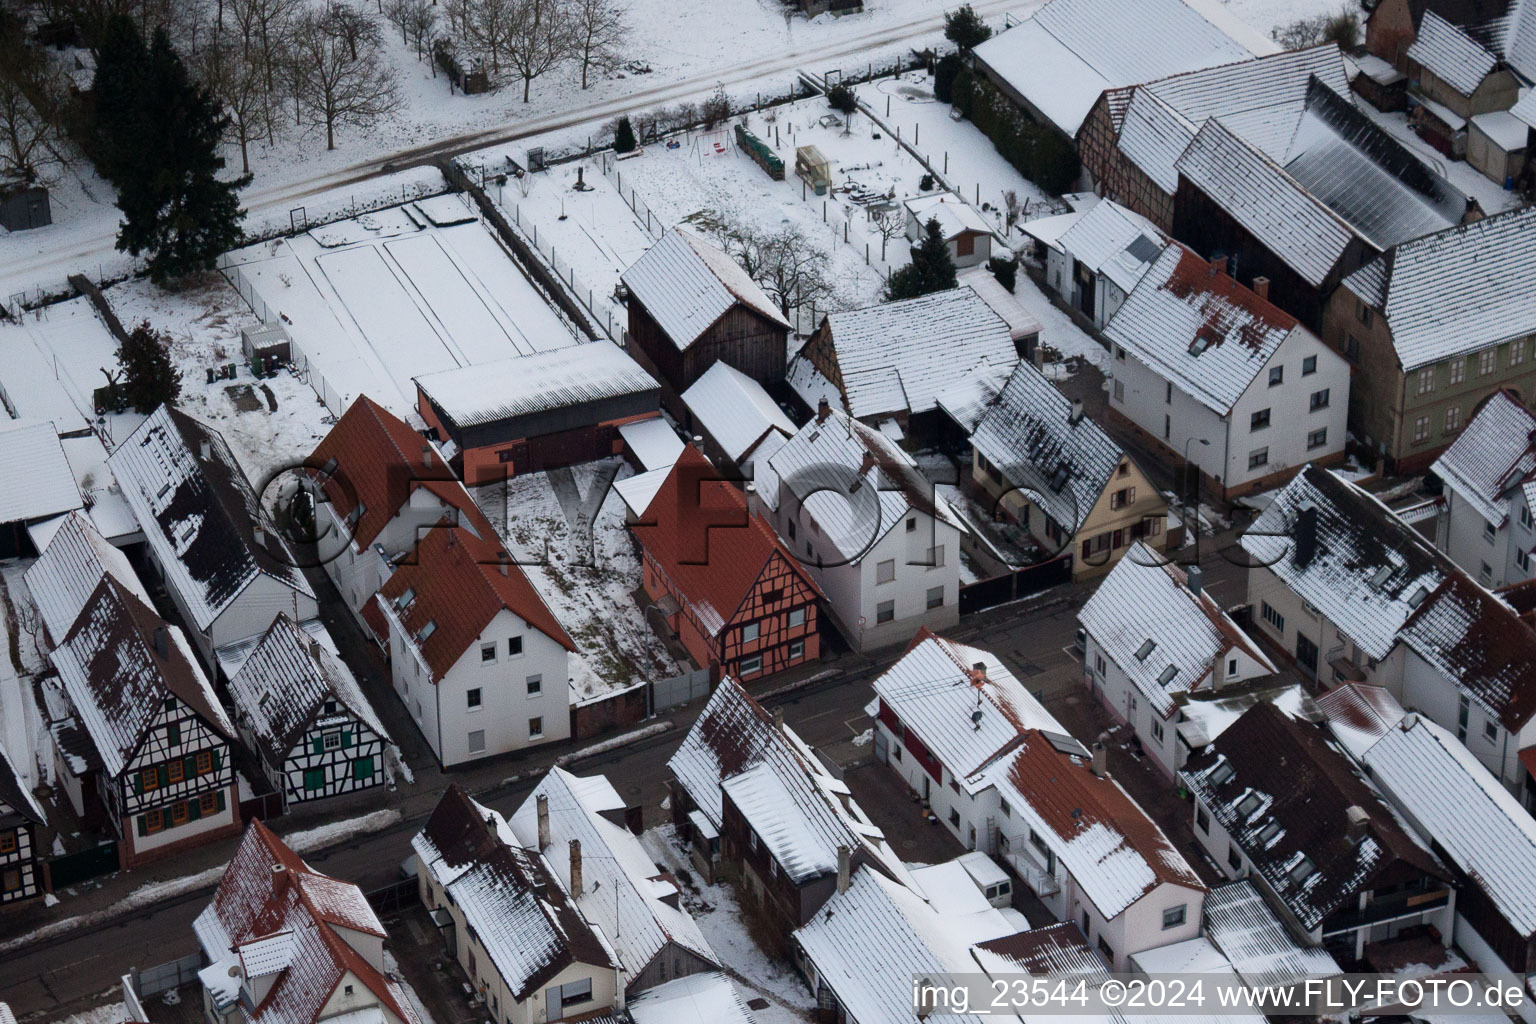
624	136
116	126
964	27
932	268
175	207
149	377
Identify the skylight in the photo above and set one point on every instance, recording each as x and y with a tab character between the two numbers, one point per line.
1059	478
1221	773
1147	647
1167	675
1269	831
1248	804
405	598
1199	345
1302	870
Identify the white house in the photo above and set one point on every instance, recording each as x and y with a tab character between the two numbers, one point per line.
880	543
1214	372
478	659
1278	803
1007	779
1097	261
1359	595
300	709
515	930
1487	524
228	576
1156	645
963	229
379	486
285	944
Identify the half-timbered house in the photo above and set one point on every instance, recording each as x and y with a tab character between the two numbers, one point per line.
21	865
730	590
300	709
146	736
203	524
691	306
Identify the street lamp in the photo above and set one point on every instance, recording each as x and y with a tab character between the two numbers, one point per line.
1204	444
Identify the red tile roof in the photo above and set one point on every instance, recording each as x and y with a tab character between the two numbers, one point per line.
380	461
698	530
461	576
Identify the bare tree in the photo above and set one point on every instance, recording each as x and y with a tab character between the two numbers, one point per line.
332	87
541	39
357	28
792	269
414	18
488	26
31	140
601	28
263	31
890	224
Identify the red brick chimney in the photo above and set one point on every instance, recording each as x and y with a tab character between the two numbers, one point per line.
1261	288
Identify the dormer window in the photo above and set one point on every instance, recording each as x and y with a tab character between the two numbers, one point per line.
1248	804
1221	773
1302	870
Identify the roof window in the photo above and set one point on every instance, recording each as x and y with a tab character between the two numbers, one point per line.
1248	804
1302	870
1146	648
1221	773
1167	675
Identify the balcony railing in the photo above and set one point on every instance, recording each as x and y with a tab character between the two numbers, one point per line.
1386	909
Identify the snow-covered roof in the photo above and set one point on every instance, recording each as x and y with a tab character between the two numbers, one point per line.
469	396
735	410
1113	851
63	578
1022	323
1453	56
638	491
1195	326
868	943
1054	949
955	215
1048	230
1341	177
1240	924
1260	99
1359	714
830	456
1070	51
37	481
1114	241
200	514
898	357
621	888
285	684
524	918
1284	794
653	442
118	663
1492	458
1148	621
1504	129
1063	460
1525	108
278	916
707	998
1456	291
938	687
1361	566
687	284
1446	793
14	793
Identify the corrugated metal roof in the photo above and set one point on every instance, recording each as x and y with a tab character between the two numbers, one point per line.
556	379
1142	601
735	410
1029	435
899	357
1195	326
687	284
1454	57
1240	924
1456	291
1492	457
1446	793
35	478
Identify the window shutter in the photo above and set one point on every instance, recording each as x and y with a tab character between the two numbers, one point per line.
189	766
194	809
216	759
346	737
165	775
220	796
143	825
317	745
138	782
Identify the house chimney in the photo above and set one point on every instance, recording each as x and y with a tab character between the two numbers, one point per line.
1221	264
697	440
1076	415
204	450
162	642
426	455
1474	211
1306	533
1100	762
1261	287
844	867
1196	576
1356	824
541	803
259	536
823	410
778	719
979	673
502	559
867	464
576	888
314	649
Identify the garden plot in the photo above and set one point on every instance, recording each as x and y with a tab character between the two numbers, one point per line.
589	586
379	299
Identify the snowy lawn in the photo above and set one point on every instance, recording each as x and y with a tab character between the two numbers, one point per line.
715	908
111	1013
588	584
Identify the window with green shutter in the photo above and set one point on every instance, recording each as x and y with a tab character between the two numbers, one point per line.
173	734
165	775
221	799
194	809
317	745
143	824
346	737
217	759
362	768
314	778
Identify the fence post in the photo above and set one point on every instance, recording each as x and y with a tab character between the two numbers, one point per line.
887	104
917	131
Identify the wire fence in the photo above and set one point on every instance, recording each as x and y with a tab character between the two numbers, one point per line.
607	312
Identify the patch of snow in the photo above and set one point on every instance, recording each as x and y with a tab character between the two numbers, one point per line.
864	738
617	742
112	1013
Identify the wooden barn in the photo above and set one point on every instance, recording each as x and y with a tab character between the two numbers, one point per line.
691	306
730	590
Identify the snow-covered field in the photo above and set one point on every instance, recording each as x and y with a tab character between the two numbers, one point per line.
589	584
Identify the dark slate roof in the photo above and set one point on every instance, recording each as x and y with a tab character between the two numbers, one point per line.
1481	645
1301	787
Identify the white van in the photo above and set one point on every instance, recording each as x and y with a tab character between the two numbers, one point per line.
992	880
